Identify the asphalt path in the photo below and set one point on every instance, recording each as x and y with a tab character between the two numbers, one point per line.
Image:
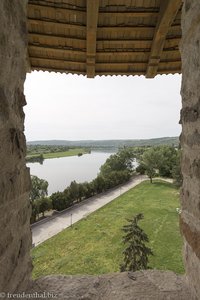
44	230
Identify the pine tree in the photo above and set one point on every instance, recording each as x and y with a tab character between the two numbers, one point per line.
136	254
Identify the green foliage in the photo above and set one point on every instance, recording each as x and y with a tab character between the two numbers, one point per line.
43	204
141	169
120	161
176	171
35	158
60	200
74	191
35	211
39	188
99	184
167	161
150	161
38	191
136	254
160	160
117	169
88	189
37	149
139	151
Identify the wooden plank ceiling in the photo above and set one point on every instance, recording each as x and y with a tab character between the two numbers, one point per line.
105	37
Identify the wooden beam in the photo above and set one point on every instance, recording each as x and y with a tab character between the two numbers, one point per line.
134	45
56	41
59	51
123	45
129	29
122	53
59	12
92	23
134	64
57	4
64	62
127	14
168	11
120	73
131	52
121	64
58	36
58	25
133	73
170	71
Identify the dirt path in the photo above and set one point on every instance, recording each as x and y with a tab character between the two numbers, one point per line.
43	231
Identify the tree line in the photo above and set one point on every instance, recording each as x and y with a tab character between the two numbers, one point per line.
153	161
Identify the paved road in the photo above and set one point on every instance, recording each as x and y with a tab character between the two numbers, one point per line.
43	231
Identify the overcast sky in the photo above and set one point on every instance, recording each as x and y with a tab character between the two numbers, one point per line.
72	107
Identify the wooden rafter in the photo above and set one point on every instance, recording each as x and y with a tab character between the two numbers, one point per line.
138	72
64	62
92	22
59	51
45	9
57	25
127	14
55	36
168	11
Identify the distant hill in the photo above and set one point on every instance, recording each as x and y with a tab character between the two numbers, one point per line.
110	143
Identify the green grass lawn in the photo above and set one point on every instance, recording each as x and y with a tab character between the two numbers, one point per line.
93	245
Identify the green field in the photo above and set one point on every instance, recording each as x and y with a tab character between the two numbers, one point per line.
70	152
93	245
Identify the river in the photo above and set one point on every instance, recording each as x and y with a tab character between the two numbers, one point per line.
59	172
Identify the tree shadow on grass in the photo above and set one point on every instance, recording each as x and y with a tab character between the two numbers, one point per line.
162	183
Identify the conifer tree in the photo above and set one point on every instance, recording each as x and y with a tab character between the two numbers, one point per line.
136	254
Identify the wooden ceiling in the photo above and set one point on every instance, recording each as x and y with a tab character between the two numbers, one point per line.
105	37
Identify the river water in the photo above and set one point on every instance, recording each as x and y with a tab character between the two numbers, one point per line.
59	172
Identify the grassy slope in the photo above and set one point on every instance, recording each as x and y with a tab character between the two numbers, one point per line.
93	245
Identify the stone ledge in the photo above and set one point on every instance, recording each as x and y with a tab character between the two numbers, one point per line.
140	285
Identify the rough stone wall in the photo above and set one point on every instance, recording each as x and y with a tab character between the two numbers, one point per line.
15	237
190	140
140	285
